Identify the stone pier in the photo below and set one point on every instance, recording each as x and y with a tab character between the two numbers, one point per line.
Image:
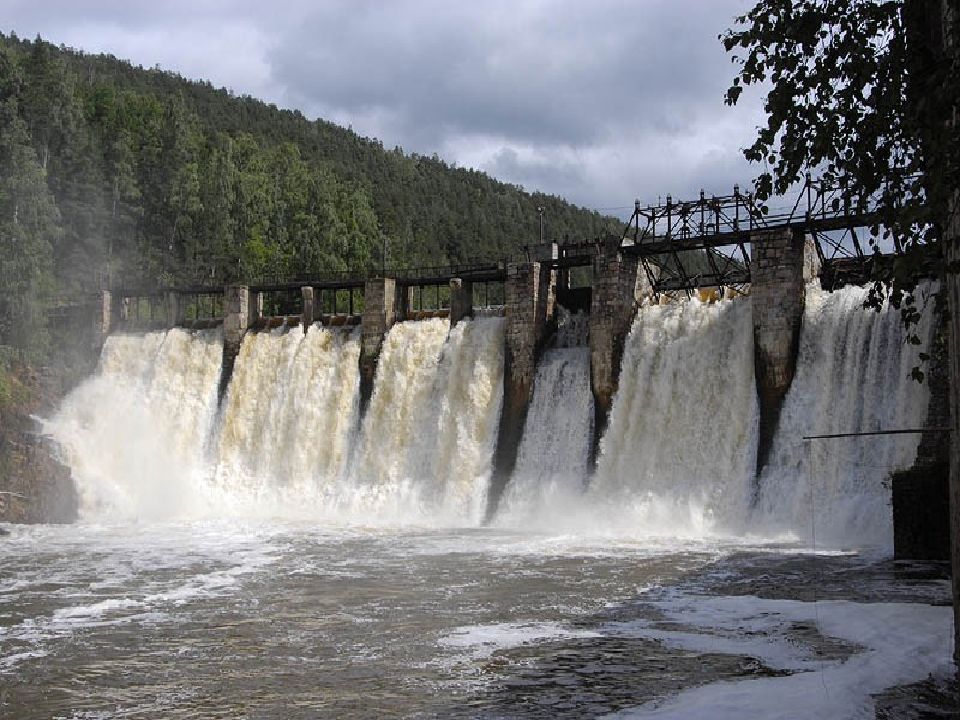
236	309
174	311
527	304
102	320
617	284
461	300
256	309
379	314
921	495
777	297
309	313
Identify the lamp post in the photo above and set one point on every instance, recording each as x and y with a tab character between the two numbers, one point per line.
540	213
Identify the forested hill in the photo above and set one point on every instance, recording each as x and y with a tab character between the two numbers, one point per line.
111	170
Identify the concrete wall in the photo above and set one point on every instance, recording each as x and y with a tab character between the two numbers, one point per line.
612	309
526	302
379	314
777	297
461	300
308	315
236	320
952	287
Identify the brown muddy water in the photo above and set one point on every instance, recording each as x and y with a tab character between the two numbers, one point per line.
232	620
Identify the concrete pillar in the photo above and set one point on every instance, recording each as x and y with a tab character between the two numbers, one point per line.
951	245
174	316
921	516
102	319
461	300
547	290
613	305
255	314
236	316
379	314
309	314
526	323
777	297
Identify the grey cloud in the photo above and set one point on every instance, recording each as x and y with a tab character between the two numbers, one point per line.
561	72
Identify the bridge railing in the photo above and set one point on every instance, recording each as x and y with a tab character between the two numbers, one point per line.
730	217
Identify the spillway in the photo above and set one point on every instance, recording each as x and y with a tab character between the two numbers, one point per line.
553	459
426	446
853	375
290	417
135	434
145	437
678	455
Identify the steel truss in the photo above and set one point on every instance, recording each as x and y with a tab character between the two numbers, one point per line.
687	245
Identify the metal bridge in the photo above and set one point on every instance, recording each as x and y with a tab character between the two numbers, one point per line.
688	245
682	246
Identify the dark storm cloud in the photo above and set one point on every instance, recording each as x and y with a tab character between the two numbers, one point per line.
599	101
543	72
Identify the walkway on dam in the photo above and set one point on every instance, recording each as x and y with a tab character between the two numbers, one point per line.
682	246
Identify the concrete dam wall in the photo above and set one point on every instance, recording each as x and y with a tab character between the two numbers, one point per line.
653	424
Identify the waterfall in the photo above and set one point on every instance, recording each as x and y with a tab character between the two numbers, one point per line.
134	434
426	446
553	459
144	438
853	375
289	417
679	452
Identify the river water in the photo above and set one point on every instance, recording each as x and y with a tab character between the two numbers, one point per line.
271	620
281	557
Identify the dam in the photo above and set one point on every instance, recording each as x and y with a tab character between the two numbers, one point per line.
562	486
561	404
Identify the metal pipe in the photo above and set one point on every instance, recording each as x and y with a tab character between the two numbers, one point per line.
911	431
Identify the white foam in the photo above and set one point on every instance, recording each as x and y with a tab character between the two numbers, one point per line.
553	458
134	434
893	644
678	455
484	640
853	375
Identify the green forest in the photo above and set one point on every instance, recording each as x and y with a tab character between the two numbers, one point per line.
114	174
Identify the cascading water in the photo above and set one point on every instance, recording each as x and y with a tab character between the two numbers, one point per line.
426	447
677	459
678	455
142	436
290	416
134	434
553	459
853	375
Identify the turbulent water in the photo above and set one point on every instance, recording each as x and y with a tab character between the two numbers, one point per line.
679	453
290	417
425	452
853	375
553	460
280	557
135	434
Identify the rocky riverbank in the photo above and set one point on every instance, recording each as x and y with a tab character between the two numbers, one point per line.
34	486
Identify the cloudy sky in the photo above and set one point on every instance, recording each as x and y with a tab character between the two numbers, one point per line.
601	101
